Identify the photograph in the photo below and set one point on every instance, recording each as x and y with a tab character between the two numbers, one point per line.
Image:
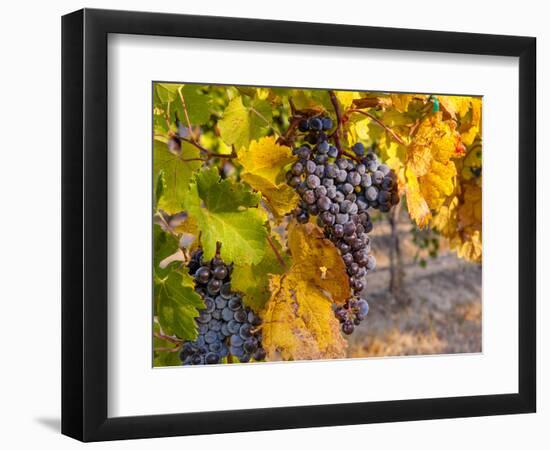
295	224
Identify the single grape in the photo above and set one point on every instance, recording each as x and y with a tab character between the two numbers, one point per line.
236	351
324	203
303	125
244	358
313	181
348	327
236	341
227	314
209	305
371	194
327	123
234	303
254	319
245	331
202	275
240	315
220	272
315	124
233	326
213	286
250	345
359	149
259	354
211	337
323	147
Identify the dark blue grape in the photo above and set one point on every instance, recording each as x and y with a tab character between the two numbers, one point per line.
259	355
212	358
233	326
359	149
327	123
315	124
210	337
240	315
323	147
236	341
245	331
254	319
227	314
202	275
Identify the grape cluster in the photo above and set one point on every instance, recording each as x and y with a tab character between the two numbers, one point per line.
226	326
338	189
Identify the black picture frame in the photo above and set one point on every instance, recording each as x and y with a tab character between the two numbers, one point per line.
84	224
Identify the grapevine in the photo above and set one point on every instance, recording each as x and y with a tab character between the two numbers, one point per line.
265	202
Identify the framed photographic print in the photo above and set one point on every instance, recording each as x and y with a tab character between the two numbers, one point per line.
252	203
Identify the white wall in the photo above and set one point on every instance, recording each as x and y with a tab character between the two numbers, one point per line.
30	236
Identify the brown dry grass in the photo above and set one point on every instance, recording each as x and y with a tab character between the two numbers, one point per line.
396	342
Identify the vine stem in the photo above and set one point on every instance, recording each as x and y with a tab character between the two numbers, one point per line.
186	113
393	134
261	116
277	254
338	113
171	339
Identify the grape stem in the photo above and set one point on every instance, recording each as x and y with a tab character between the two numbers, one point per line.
393	134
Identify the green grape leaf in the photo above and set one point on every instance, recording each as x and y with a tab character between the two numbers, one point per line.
164	245
177	304
198	105
227	212
241	124
166	92
160	185
252	280
165	353
178	171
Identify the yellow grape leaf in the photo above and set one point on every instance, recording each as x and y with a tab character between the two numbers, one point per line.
401	101
346	98
306	100
316	260
417	206
471	249
455	105
445	221
459	220
437	136
470	129
420	160
362	128
470	211
264	162
299	322
438	183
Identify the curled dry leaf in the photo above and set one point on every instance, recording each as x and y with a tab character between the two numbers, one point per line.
299	321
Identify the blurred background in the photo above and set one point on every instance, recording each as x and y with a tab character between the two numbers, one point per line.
423	299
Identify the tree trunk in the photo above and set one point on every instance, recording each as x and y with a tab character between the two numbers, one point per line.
396	260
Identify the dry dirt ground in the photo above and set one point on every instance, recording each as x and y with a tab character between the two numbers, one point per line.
439	311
